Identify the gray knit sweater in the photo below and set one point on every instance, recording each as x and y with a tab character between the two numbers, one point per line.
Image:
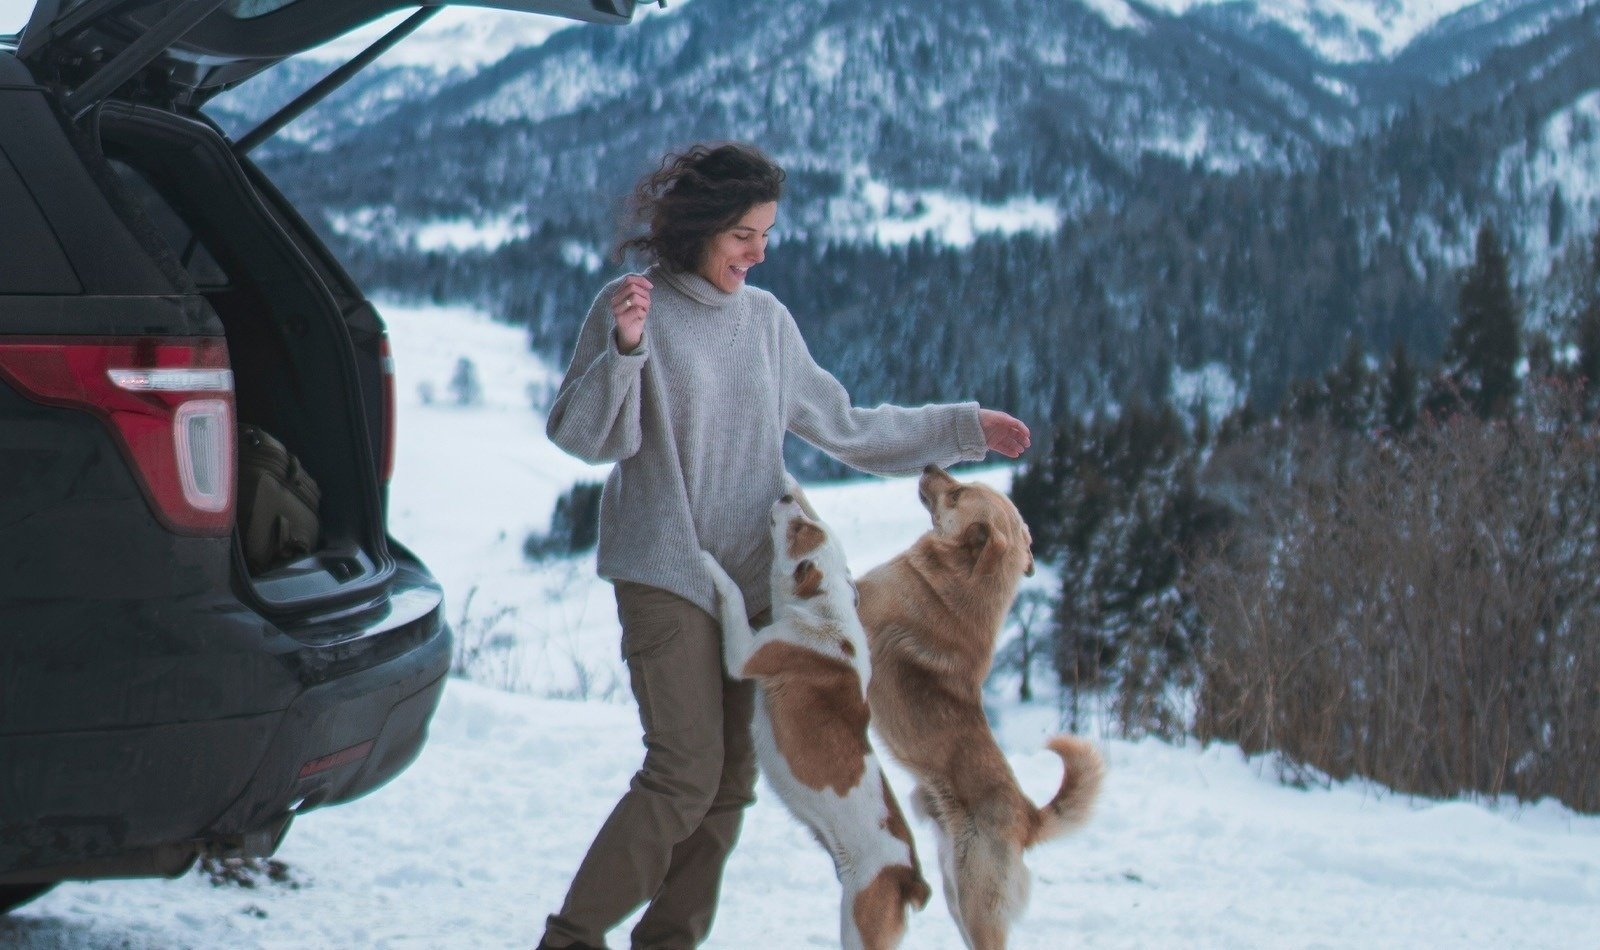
695	419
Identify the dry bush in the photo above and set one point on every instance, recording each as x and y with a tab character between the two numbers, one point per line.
1424	613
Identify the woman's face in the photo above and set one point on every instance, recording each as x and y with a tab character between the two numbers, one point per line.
732	253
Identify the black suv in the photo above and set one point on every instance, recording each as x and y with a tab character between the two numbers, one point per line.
158	697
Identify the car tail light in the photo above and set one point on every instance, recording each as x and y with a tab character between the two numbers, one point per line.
168	401
386	451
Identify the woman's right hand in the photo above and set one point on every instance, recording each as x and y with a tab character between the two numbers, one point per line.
629	306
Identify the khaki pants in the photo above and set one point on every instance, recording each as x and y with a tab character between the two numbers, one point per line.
668	838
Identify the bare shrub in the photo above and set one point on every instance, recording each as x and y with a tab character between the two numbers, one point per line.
485	651
1424	613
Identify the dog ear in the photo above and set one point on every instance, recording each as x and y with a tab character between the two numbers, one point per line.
982	545
805	537
807	579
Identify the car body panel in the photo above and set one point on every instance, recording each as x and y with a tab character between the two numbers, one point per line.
238	40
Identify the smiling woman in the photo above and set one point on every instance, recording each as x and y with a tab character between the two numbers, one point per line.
688	378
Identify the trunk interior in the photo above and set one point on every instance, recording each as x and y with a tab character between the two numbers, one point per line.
304	370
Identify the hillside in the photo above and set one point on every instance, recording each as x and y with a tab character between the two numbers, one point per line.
1121	195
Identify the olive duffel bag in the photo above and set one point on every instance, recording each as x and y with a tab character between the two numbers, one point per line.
278	503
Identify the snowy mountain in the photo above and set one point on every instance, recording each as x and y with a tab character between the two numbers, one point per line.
1183	186
474	843
886	106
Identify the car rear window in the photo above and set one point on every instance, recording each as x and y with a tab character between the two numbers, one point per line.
31	260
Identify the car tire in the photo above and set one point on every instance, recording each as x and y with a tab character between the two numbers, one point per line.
13	896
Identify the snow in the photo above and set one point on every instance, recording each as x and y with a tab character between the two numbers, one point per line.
1563	157
1117	13
382	224
1340	31
462	234
1211	385
894	216
459	38
475	843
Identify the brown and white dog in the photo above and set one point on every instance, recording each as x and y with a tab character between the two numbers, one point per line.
932	616
811	669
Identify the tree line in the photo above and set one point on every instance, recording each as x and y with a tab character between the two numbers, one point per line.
1390	573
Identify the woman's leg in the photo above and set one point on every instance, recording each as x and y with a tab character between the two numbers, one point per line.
680	914
674	655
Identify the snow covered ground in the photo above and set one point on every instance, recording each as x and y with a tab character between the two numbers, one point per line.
474	844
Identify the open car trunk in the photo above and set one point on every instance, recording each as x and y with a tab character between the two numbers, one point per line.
304	347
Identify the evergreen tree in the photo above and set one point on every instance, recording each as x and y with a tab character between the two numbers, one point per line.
1588	328
1400	393
1484	348
1349	388
1556	218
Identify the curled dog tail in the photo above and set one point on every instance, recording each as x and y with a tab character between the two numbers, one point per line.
1073	802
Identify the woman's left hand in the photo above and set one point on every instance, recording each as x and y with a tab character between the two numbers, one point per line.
1004	434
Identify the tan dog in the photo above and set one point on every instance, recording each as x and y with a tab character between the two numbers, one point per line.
811	669
932	616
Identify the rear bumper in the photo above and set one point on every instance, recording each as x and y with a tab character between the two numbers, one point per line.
142	800
344	737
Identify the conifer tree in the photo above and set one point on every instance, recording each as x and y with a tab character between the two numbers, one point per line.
1484	348
1400	392
1588	329
1348	389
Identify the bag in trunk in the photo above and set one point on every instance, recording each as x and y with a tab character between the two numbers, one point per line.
278	503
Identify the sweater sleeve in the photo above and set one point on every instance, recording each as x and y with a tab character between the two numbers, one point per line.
596	413
885	440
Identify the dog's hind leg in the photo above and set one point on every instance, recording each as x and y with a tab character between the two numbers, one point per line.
738	640
949	880
925	805
991	886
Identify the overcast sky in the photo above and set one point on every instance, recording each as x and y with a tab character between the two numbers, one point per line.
14	13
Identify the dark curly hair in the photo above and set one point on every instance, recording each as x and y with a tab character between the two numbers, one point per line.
695	195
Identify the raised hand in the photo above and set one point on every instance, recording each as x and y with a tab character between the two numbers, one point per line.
629	306
1004	434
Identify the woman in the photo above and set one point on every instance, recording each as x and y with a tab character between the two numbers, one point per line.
688	380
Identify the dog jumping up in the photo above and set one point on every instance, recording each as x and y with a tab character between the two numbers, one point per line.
811	668
932	616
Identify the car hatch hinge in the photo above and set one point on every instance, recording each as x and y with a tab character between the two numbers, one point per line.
138	54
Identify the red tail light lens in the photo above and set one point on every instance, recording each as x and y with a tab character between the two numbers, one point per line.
168	401
386	453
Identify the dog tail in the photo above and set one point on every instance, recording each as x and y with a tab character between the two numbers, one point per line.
736	632
1074	801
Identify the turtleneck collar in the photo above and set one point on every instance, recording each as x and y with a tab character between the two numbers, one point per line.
691	285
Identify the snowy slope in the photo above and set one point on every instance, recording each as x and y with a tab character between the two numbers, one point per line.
473	844
1339	31
460	38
